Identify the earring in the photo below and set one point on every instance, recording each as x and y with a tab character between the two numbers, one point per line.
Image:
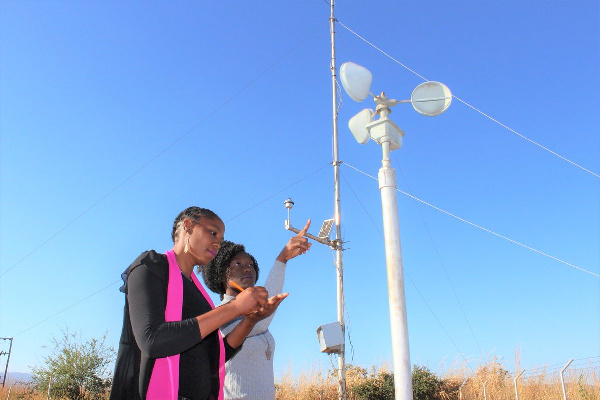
187	244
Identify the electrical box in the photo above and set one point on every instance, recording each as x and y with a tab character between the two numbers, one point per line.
331	338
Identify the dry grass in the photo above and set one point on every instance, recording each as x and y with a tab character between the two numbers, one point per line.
20	391
580	384
316	384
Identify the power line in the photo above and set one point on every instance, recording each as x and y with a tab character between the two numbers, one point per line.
278	192
474	108
221	106
413	283
69	307
443	266
117	281
482	228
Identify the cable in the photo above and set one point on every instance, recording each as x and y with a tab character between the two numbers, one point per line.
229	100
438	321
545	370
381	51
346	315
584	366
361	204
106	287
443	266
413	283
331	355
71	306
474	108
482	228
526	138
276	193
585	358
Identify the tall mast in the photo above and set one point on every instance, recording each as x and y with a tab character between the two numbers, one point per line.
337	215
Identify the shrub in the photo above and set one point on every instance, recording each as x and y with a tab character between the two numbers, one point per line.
79	370
426	385
379	385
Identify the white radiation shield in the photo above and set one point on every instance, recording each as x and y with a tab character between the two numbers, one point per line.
358	125
356	80
431	98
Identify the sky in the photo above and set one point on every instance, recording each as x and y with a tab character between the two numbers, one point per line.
115	116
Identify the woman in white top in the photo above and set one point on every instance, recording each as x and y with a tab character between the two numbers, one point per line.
249	375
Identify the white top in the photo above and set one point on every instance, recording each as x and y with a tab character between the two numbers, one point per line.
249	374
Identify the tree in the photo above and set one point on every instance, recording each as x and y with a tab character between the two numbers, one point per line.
79	370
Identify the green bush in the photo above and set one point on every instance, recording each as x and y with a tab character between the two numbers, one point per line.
379	385
79	370
426	385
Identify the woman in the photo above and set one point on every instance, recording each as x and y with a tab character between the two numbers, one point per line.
170	346
250	374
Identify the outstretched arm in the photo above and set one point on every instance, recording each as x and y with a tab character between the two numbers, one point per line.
296	246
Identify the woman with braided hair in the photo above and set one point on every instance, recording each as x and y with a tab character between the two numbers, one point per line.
170	347
249	375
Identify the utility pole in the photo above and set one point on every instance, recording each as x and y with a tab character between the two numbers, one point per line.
7	360
337	215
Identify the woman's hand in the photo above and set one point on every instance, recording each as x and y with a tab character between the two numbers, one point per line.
250	300
237	336
297	245
268	309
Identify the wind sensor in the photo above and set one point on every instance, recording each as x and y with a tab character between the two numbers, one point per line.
429	99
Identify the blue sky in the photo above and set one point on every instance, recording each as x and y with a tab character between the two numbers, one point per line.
114	116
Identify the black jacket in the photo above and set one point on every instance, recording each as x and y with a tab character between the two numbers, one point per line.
146	336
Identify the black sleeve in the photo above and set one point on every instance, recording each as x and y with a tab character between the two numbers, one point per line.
156	338
230	351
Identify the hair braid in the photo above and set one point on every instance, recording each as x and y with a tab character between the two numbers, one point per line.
195	214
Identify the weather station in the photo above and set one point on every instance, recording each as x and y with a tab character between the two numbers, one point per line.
429	99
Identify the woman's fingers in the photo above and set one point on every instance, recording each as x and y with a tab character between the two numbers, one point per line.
297	245
305	229
270	306
252	299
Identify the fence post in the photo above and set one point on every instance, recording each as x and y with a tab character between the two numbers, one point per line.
515	380
49	386
460	389
9	390
484	396
562	381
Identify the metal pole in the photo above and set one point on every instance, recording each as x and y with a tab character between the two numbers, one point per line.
484	396
515	380
7	360
460	389
9	390
49	386
337	215
562	382
395	275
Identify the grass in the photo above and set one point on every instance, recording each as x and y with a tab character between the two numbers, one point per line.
541	384
538	384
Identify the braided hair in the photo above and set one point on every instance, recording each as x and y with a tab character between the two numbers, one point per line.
193	213
217	271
